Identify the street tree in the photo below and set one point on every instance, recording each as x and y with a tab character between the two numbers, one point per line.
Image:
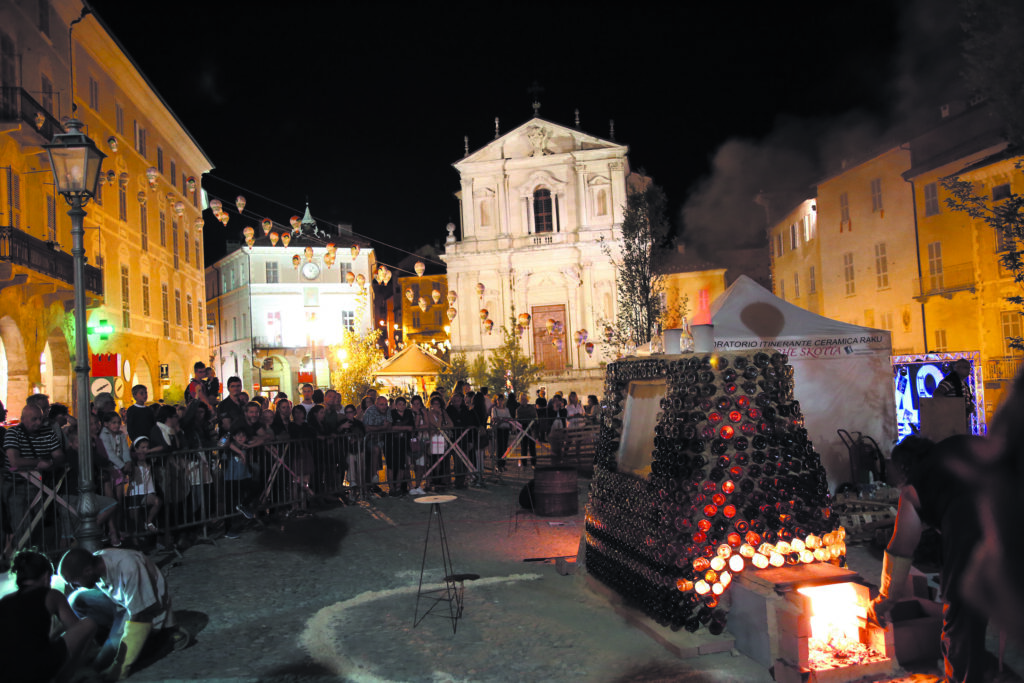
355	359
509	368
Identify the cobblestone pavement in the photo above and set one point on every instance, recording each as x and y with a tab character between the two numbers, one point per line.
332	597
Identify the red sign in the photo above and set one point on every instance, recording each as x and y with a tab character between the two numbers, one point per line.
105	365
305	377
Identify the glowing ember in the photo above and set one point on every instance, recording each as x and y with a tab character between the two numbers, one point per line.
835	628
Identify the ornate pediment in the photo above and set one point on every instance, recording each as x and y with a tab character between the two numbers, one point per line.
538	138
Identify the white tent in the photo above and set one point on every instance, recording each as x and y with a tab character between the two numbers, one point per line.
842	372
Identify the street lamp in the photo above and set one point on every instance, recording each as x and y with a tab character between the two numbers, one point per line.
75	161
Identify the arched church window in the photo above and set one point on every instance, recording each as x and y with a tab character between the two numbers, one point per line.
543	217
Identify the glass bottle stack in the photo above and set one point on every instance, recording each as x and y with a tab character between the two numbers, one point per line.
735	485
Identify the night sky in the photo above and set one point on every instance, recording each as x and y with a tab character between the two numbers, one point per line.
361	108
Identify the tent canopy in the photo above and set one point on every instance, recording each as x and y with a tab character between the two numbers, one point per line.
842	372
412	361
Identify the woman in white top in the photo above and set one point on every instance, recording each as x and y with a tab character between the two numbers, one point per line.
575	412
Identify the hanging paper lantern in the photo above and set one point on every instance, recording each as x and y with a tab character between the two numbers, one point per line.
122	180
286	239
589	348
355	251
216	206
435	294
387	275
296	261
266	224
549	325
452	297
296	222
111	176
179	208
112	144
480	289
420	268
451	314
190	184
578	338
483	314
224	218
308	253
558	345
332	249
361	279
248	232
198	223
423	304
274	237
559	327
350	277
524	319
151	175
329	259
249	241
584	336
488	325
240	203
142	197
409	294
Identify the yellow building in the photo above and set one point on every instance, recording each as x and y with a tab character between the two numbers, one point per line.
877	246
424	317
143	236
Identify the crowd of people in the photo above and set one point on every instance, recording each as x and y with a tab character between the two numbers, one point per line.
158	465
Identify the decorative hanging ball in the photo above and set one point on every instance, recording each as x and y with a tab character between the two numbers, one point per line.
329	259
274	237
451	314
112	144
122	179
361	279
559	327
190	184
248	232
151	175
420	268
584	335
578	338
480	289
111	176
423	304
240	203
355	251
524	319
387	275
350	277
296	261
435	294
216	205
332	248
198	224
179	208
296	222
488	325
266	224
224	218
308	253
249	241
549	325
483	314
142	197
409	294
558	345
589	346
286	239
452	297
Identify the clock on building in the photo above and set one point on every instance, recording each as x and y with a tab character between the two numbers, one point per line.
310	270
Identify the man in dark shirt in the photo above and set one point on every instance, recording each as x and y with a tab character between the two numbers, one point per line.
230	411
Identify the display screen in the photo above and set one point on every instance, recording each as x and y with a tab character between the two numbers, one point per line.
643	403
916	377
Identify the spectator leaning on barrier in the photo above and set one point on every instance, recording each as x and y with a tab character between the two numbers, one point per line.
376	418
139	419
231	411
29	446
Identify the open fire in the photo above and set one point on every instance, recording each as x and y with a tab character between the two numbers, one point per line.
838	621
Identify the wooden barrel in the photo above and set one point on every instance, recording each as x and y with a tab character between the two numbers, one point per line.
555	493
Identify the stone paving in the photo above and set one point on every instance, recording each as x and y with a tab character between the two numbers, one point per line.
332	597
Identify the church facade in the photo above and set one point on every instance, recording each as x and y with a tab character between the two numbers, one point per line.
541	215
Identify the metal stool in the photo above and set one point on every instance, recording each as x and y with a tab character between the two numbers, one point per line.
454	587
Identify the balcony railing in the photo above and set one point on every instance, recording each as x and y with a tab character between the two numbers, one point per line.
948	280
23	249
17	105
1003	368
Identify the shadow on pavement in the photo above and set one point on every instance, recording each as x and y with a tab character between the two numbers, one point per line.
313	535
298	672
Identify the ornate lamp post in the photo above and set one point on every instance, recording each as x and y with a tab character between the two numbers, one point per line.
75	161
